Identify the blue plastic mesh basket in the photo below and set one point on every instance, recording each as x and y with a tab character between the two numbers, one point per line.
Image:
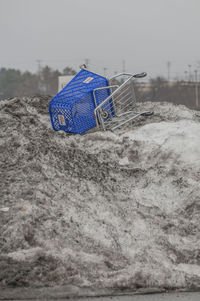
72	109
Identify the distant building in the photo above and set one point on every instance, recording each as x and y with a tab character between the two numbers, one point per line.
63	81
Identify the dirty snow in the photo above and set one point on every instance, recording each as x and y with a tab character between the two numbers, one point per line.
103	210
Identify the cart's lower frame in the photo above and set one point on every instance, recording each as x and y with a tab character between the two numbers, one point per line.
118	109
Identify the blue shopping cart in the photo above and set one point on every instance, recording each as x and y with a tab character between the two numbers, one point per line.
89	100
72	109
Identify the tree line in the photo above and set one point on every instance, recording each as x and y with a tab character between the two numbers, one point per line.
16	83
177	92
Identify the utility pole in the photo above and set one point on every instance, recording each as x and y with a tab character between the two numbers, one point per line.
123	66
198	69
196	89
40	85
186	77
168	70
104	71
189	77
39	65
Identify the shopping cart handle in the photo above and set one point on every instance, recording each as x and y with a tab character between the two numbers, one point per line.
140	75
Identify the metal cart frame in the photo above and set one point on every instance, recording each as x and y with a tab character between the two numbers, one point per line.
121	102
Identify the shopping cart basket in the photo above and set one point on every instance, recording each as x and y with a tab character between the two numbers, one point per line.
72	109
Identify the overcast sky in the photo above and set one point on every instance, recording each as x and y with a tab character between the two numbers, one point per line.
144	33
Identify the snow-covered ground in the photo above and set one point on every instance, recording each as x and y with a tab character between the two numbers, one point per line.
116	211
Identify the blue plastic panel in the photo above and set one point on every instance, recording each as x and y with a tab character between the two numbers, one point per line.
72	109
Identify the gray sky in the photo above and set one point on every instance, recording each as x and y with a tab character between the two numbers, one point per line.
144	33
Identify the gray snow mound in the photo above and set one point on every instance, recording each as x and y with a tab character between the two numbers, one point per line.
103	210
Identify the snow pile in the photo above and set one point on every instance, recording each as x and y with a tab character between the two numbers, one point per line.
103	210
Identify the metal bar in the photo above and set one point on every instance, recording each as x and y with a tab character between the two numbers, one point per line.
123	107
122	119
114	93
126	121
133	92
128	104
136	114
126	98
140	75
101	88
127	93
121	74
115	121
124	115
119	103
96	118
129	112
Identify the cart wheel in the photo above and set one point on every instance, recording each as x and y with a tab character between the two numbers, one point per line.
105	114
147	113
